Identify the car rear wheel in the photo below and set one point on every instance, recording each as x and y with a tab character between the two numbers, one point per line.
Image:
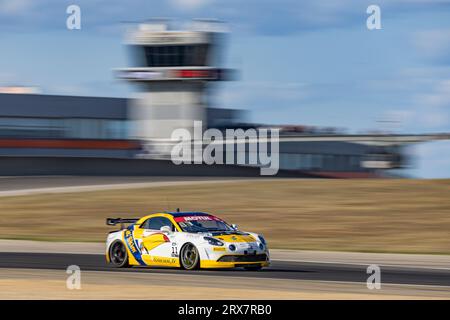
118	255
189	257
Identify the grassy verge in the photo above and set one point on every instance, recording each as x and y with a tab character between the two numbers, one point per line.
410	216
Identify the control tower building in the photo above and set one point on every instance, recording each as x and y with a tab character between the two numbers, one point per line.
172	70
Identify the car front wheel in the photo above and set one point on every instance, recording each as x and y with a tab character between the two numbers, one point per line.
189	257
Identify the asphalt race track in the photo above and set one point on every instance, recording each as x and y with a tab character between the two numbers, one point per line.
278	269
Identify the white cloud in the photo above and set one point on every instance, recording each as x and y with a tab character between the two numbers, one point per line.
435	118
189	4
396	119
259	16
441	96
15	7
433	44
264	94
434	106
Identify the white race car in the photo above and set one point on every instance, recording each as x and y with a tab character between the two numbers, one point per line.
189	240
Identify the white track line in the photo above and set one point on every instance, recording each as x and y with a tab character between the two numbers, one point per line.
116	186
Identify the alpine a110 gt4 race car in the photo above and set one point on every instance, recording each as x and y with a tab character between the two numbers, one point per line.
189	240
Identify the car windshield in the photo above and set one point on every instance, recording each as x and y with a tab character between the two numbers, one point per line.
202	224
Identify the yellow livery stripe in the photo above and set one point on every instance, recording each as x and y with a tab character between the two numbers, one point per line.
236	238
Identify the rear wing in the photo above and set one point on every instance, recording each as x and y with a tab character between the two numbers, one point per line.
122	221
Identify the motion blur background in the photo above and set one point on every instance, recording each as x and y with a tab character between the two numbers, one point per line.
86	118
306	67
349	103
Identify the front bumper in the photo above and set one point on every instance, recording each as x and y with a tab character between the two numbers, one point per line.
206	264
237	258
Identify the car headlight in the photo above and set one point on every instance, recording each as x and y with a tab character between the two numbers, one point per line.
213	241
263	241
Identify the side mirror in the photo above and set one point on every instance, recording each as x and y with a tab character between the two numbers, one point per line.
166	229
234	226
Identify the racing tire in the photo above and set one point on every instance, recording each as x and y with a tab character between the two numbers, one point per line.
118	255
253	268
189	257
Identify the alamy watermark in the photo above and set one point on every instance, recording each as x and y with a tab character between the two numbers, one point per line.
73	281
373	22
252	147
73	21
374	280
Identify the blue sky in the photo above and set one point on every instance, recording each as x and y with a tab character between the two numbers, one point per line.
307	62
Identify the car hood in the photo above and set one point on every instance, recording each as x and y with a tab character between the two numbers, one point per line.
235	238
230	236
